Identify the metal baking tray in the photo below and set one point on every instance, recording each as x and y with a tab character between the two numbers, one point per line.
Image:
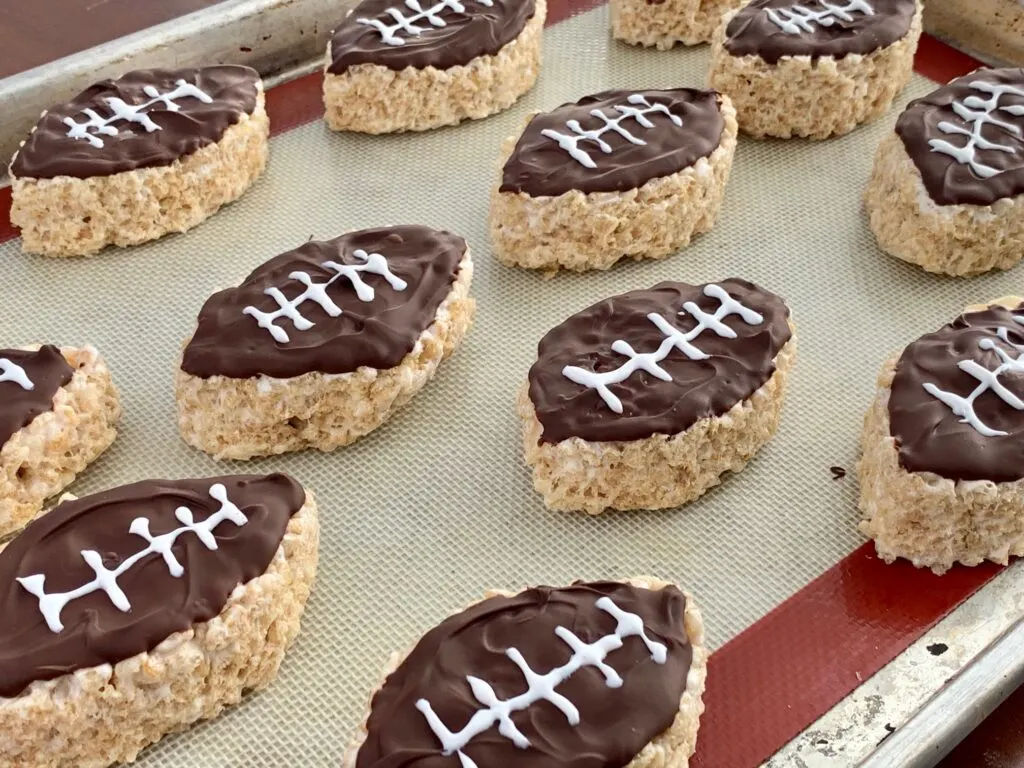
436	506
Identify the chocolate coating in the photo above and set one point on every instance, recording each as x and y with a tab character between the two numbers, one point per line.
540	167
49	152
751	32
47	370
699	389
377	334
95	631
953	183
615	723
479	30
930	437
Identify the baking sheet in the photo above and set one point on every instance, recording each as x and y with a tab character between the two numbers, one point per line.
436	506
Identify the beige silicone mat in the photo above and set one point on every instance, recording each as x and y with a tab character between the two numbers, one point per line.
436	506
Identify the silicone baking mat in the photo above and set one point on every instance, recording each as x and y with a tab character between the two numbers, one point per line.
436	506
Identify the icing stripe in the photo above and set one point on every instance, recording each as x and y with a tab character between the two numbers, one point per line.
639	108
11	371
51	604
542	687
799	18
391	34
96	126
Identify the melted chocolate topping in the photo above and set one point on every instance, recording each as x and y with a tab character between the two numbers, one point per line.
994	173
540	166
733	371
930	437
753	31
49	151
95	631
376	333
47	370
615	723
478	30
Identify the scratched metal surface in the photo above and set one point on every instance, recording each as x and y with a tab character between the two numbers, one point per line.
988	30
913	711
436	506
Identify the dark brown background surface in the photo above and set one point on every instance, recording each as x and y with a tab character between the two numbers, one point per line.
997	743
40	31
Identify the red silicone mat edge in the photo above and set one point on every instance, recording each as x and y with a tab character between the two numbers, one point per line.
776	677
782	673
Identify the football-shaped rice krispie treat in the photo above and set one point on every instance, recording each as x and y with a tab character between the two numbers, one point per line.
138	611
665	23
619	174
594	675
814	69
644	400
942	475
58	412
946	190
421	64
321	345
129	160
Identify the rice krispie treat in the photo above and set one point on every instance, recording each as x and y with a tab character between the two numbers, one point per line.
815	69
663	24
504	683
58	412
942	475
421	64
644	400
136	612
619	174
129	160
322	344
946	189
